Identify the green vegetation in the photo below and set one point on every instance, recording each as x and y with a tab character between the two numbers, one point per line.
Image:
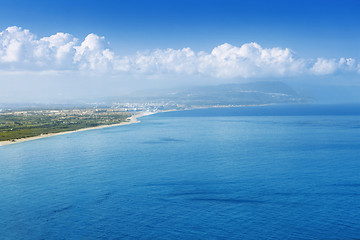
23	124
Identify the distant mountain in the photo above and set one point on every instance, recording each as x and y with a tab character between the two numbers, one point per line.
255	93
227	94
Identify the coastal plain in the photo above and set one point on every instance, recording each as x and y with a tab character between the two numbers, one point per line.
20	126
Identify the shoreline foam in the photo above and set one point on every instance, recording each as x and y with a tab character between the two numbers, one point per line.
132	119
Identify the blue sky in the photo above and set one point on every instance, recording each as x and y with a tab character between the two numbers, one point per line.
311	28
121	42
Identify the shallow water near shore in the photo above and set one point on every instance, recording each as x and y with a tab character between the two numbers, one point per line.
275	172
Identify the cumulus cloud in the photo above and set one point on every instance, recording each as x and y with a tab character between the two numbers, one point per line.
92	54
169	60
14	43
21	50
55	51
249	60
324	66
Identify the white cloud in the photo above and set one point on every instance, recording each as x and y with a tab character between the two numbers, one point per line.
225	61
92	54
20	50
324	66
249	60
14	43
169	60
57	49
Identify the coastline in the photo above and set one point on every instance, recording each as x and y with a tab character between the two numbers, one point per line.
132	119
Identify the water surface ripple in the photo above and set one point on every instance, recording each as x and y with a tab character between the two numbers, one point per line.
202	174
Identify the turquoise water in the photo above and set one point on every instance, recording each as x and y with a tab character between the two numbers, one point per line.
287	172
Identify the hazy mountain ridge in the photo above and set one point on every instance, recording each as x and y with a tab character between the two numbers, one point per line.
227	94
255	93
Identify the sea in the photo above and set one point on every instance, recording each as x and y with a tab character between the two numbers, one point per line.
261	172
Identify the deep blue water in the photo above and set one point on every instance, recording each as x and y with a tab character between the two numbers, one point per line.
277	172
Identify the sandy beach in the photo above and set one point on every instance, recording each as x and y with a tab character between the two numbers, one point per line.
131	120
